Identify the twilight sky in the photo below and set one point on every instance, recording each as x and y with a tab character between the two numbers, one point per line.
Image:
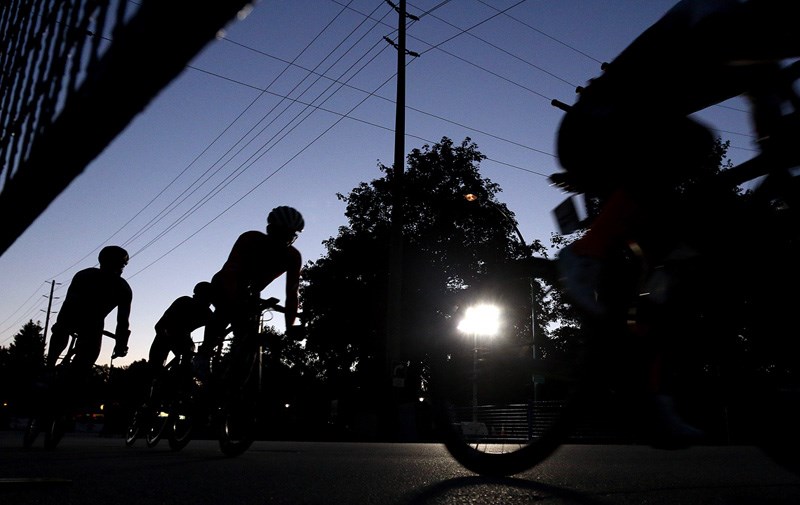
294	104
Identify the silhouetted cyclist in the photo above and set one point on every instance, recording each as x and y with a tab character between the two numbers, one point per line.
174	328
698	54
92	294
255	260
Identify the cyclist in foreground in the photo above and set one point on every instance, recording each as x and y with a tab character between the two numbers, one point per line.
255	260
698	54
91	296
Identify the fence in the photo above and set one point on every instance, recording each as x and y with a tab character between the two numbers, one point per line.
66	74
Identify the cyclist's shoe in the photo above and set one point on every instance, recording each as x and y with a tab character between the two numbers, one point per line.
668	430
579	277
201	367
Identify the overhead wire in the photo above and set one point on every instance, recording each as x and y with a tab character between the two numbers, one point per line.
168	209
26	311
248	163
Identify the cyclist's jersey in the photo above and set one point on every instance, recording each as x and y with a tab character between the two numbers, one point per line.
183	316
256	260
92	295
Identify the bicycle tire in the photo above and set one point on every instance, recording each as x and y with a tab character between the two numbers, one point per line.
135	428
503	405
181	425
238	423
54	432
500	435
157	426
32	430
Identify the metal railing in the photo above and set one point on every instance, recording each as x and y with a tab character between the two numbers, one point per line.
522	422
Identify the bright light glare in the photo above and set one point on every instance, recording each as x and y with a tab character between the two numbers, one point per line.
481	320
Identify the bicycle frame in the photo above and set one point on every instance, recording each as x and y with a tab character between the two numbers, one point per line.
238	416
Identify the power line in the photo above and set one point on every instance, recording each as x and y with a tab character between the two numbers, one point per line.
245	165
466	30
19	321
554	39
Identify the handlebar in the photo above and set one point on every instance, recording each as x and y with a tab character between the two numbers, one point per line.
272	304
269	304
114	354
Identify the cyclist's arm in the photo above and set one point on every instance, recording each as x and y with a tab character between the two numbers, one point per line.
122	331
292	286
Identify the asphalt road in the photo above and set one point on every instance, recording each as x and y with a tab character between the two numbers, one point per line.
92	470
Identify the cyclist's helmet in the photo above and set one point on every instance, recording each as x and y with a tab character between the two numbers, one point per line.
113	257
202	290
287	218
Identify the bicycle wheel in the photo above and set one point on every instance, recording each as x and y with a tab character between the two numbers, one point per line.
238	415
54	431
499	413
32	430
504	402
181	424
159	421
238	423
136	426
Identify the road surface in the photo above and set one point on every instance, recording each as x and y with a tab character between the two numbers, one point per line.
93	470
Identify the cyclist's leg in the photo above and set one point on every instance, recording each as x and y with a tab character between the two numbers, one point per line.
183	348
59	338
241	386
159	350
87	350
79	371
213	337
183	410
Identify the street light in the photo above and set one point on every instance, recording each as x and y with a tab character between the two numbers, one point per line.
480	320
471	197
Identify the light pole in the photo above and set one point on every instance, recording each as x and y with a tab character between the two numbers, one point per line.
470	197
480	320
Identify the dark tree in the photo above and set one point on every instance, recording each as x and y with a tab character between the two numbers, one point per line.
21	364
449	243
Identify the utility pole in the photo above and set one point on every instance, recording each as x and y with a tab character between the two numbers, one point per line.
49	306
394	323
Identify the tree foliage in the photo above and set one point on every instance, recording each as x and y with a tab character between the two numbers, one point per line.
21	363
449	243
